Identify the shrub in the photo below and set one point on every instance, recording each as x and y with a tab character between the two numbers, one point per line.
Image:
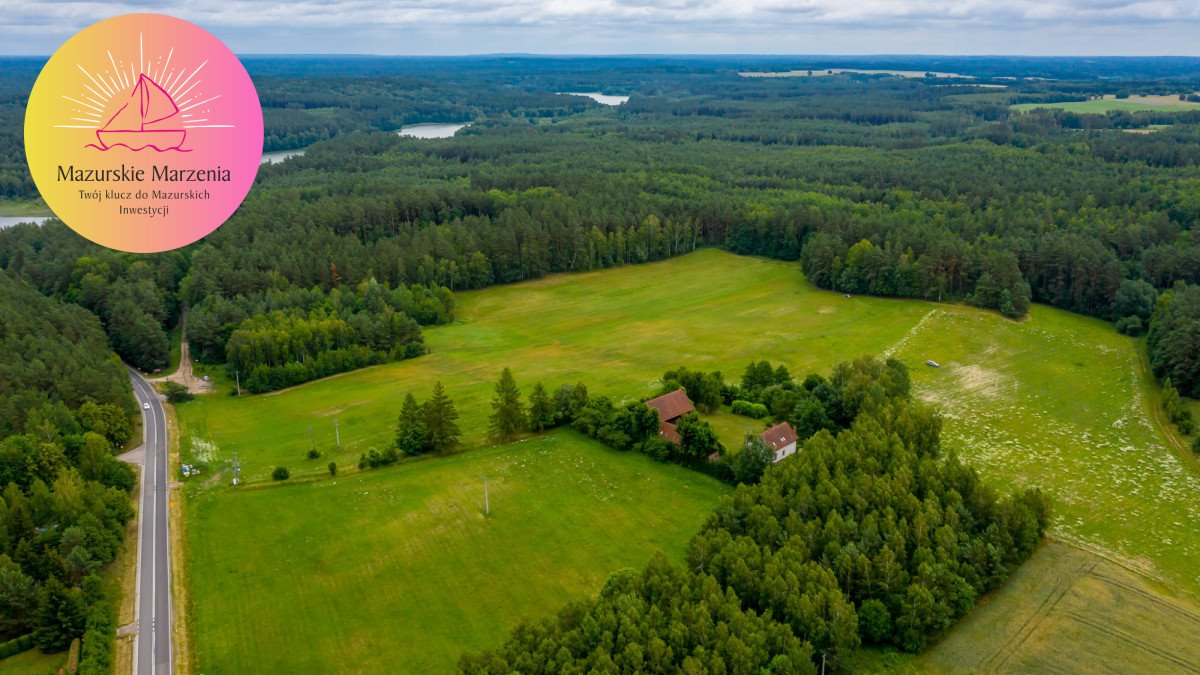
314	453
177	393
874	622
333	468
1131	325
749	409
1196	445
373	458
16	646
96	657
280	473
657	447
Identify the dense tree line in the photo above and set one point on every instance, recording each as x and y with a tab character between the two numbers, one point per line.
870	536
65	405
664	619
52	353
897	541
285	336
63	514
1174	338
135	296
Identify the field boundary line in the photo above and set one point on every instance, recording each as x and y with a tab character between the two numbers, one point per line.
1137	644
1157	600
1142	570
1029	627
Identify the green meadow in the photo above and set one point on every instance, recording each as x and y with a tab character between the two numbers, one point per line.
1059	401
1099	106
617	331
401	569
383	564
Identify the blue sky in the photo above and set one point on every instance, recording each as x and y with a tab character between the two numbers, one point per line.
1031	27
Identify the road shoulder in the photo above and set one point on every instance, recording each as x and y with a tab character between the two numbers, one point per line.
181	624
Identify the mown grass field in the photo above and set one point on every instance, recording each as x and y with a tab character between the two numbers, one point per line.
399	570
1058	400
1100	106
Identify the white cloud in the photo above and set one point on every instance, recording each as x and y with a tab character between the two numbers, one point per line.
605	26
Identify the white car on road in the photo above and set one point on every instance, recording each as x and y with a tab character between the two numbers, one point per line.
145	406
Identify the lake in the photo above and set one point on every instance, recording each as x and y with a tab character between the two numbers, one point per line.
429	130
413	130
9	221
596	96
280	155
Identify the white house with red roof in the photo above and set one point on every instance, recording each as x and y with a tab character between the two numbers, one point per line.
782	439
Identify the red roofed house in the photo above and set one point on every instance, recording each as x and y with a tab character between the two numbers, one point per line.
782	439
670	408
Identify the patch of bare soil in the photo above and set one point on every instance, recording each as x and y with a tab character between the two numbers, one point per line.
184	374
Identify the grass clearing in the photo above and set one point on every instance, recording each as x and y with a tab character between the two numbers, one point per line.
732	429
1099	106
400	569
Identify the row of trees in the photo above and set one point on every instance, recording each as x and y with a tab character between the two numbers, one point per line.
871	536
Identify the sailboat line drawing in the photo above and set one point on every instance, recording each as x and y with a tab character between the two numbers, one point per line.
150	119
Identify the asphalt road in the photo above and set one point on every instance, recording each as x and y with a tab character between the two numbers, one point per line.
152	644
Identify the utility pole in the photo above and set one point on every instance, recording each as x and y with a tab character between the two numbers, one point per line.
487	508
310	440
237	470
237	376
822	664
337	434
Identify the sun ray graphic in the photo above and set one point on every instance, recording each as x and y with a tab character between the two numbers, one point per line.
142	103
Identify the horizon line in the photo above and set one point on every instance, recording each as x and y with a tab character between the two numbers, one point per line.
779	55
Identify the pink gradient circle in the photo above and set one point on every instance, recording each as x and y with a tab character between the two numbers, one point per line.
143	133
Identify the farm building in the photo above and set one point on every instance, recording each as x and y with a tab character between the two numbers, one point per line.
670	408
782	439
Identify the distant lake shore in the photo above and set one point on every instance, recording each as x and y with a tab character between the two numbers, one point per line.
422	130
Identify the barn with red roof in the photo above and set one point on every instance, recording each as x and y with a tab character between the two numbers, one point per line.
670	408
